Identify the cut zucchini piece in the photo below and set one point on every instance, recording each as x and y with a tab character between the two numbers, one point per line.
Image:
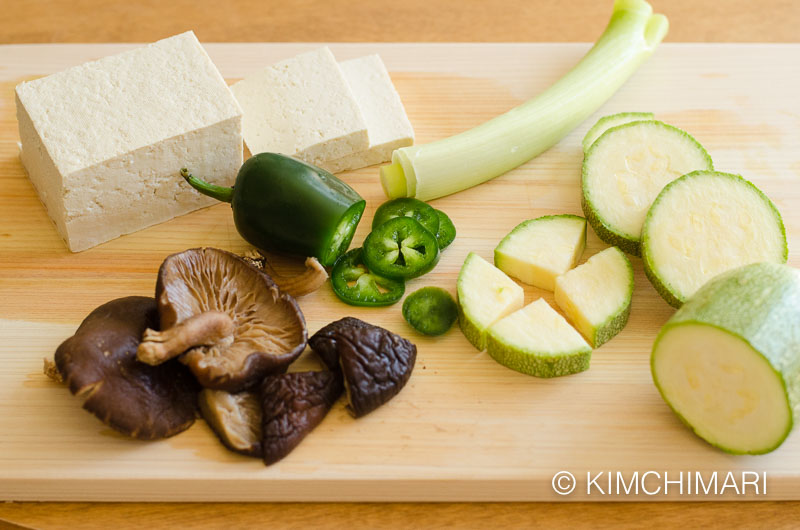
728	361
485	295
536	340
624	171
606	122
706	223
596	296
539	250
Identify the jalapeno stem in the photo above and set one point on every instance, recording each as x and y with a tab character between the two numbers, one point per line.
221	193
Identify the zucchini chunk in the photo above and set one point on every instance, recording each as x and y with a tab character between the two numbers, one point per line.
537	341
596	296
485	295
728	361
606	122
706	223
538	250
626	168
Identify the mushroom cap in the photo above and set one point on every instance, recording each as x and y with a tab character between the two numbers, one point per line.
292	406
270	331
99	362
375	363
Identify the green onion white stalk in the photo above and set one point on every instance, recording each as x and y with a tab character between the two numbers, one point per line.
470	158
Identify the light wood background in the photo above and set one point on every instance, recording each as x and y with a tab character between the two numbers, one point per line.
60	21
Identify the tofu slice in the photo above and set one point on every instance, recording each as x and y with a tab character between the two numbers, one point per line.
103	143
387	123
302	107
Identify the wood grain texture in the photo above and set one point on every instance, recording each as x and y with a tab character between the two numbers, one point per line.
767	515
382	20
446	89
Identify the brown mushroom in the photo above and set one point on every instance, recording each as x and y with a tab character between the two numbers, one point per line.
228	320
99	363
292	406
271	421
375	362
234	418
300	285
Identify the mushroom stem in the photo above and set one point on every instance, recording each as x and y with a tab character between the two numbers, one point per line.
307	282
301	284
204	329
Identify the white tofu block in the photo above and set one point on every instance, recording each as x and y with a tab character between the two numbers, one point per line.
301	107
387	123
104	142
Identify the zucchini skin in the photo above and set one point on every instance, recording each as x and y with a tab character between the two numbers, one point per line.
759	304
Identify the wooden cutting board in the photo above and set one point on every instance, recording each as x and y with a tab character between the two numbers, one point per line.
464	428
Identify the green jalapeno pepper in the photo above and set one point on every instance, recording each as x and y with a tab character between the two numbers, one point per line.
282	204
430	310
354	284
401	248
407	207
447	230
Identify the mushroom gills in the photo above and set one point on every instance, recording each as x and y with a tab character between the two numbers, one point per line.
99	364
200	293
375	363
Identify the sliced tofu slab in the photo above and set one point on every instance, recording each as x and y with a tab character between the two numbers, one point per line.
536	340
539	250
596	296
103	143
485	295
302	107
388	127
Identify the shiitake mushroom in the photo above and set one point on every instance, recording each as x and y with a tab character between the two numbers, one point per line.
375	363
271	421
99	364
227	320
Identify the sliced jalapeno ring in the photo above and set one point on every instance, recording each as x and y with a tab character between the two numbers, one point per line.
355	284
407	207
430	310
401	248
447	230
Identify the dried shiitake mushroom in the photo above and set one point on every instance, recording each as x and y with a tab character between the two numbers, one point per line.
292	405
271	421
234	418
302	284
375	362
228	320
99	363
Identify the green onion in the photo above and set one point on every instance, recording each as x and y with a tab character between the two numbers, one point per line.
453	164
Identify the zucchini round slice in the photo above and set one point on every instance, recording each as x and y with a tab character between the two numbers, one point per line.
626	168
728	361
606	122
706	223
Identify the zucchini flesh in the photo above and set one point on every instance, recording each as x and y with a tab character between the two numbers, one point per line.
485	295
539	250
433	170
706	223
596	296
728	361
624	171
537	341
